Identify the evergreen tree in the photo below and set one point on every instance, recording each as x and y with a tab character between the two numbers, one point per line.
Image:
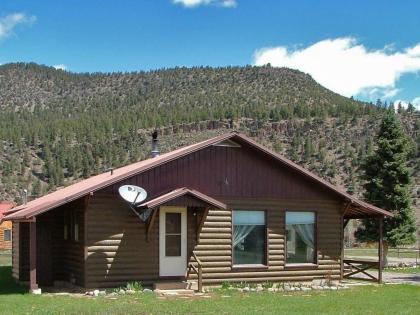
388	185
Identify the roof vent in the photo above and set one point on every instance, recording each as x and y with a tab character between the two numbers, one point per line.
227	143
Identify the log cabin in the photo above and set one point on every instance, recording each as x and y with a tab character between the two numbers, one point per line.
5	227
223	210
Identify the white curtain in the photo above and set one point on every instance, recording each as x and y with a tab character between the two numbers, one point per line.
306	233
240	232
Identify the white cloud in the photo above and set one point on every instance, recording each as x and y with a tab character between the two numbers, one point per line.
196	3
347	67
60	67
404	104
416	102
9	22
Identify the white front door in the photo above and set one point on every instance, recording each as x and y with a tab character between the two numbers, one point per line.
172	241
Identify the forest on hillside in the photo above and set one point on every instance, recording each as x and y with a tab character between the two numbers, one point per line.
58	127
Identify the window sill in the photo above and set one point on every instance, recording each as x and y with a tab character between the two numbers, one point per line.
250	267
300	266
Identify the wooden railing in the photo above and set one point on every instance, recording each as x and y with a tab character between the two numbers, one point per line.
355	266
198	270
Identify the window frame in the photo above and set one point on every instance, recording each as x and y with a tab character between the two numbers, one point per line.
311	265
4	235
242	267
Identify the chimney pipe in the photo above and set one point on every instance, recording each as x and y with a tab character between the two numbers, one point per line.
25	196
155	149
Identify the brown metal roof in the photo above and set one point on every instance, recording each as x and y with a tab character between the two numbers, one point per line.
84	187
174	194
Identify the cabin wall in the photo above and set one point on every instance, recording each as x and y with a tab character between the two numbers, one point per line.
23	250
15	251
116	247
226	173
117	251
66	262
57	259
215	246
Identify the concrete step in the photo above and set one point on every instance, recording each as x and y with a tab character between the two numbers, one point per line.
175	285
178	292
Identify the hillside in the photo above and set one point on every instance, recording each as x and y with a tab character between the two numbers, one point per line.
58	127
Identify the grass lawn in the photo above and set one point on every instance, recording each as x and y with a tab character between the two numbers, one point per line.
5	258
415	270
374	252
385	299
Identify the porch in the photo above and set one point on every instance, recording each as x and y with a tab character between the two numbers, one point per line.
362	269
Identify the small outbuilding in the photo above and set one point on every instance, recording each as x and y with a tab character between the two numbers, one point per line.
5	227
223	210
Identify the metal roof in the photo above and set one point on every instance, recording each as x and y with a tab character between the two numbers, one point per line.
92	184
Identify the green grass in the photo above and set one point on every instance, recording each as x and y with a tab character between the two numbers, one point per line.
385	299
5	258
415	270
397	299
374	252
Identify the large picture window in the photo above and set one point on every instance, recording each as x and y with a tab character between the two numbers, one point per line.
300	237
249	237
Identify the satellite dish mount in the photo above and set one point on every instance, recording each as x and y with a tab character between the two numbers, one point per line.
134	195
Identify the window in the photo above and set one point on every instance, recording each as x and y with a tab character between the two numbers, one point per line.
65	232
173	234
71	229
76	232
249	238
300	237
7	235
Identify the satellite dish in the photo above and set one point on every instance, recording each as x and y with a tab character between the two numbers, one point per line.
132	194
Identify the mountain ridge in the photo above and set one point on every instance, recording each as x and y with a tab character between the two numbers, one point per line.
59	127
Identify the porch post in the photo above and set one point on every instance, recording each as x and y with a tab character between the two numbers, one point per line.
380	249
33	286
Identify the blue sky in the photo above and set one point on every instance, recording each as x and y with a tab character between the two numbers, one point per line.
368	49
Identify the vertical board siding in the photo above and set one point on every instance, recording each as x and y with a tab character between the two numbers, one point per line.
15	251
227	173
23	251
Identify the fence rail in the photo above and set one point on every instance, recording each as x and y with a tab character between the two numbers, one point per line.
396	252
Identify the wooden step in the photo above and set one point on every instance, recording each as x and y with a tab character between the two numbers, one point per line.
170	285
175	285
177	292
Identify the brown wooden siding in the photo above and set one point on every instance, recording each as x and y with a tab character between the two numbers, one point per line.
57	259
15	251
227	173
215	251
67	256
117	250
24	251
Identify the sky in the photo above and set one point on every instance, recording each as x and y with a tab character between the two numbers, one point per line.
365	49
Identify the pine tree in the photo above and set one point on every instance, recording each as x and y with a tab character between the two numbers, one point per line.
388	185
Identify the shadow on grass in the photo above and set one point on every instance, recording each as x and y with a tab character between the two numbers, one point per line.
8	285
